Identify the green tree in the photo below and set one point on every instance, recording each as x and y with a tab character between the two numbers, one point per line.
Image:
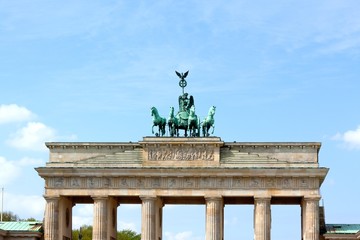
10	217
31	219
128	234
86	232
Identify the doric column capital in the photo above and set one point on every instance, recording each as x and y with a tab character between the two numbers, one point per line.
310	199
96	197
51	198
262	199
213	198
148	197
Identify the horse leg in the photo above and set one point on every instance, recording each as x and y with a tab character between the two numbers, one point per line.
164	126
191	127
207	131
163	130
213	129
194	131
171	130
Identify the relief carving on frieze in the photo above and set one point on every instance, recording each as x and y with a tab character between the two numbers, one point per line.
181	154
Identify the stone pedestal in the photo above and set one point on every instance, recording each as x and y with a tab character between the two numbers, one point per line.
51	224
214	218
262	219
310	218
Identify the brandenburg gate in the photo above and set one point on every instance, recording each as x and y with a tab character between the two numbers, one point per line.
160	170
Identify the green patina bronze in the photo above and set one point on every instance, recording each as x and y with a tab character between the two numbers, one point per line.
185	119
208	122
158	121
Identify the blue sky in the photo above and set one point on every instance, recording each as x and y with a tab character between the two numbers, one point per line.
91	70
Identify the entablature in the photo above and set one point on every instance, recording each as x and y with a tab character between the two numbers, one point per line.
185	152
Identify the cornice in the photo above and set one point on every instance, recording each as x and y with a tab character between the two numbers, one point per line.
91	145
181	172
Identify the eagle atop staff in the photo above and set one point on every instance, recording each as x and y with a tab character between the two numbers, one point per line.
182	76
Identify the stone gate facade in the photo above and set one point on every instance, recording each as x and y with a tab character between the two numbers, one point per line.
165	170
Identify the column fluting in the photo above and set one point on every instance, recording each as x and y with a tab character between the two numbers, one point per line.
51	223
262	219
100	218
214	218
148	218
310	221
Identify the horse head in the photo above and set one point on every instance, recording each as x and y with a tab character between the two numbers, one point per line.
212	110
171	114
153	111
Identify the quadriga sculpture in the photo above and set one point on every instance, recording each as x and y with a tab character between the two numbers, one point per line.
208	122
193	123
158	121
173	124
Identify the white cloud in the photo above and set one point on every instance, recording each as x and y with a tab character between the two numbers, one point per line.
126	225
231	221
350	138
25	206
8	171
79	221
82	215
27	161
14	113
32	137
180	236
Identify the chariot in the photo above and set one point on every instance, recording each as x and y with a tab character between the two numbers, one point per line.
185	119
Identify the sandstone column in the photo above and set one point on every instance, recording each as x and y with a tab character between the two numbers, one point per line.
214	218
100	225
112	205
151	218
65	217
159	217
51	223
262	219
310	218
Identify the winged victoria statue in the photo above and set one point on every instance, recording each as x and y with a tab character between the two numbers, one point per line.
185	119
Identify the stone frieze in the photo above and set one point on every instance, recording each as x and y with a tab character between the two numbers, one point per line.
182	183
